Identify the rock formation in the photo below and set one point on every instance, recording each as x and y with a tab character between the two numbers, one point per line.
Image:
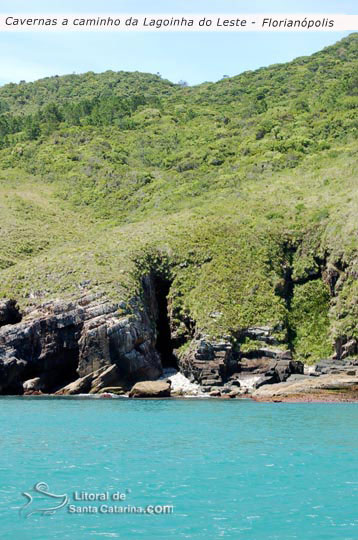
147	389
60	342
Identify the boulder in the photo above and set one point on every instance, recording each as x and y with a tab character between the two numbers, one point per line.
208	363
147	389
32	385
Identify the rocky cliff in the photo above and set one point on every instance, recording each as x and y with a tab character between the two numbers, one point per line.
59	342
85	346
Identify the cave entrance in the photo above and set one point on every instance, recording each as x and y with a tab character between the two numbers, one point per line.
164	343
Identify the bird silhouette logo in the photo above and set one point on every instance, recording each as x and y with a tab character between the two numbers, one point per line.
40	496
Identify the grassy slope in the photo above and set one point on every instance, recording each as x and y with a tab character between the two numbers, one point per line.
244	191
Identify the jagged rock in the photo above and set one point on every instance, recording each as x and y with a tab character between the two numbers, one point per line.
146	389
266	370
213	364
209	363
350	348
345	348
234	393
215	393
108	377
109	339
284	368
58	340
92	383
81	385
9	312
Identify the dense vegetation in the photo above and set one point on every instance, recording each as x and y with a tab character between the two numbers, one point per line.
243	192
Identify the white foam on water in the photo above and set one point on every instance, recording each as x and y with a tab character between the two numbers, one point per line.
248	382
180	383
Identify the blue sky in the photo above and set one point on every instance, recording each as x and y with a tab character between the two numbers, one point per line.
194	57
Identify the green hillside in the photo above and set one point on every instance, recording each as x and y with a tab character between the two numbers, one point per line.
241	193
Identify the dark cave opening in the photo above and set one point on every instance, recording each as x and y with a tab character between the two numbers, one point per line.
164	342
9	312
65	372
59	367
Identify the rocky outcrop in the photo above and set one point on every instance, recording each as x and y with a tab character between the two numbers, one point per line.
323	387
94	344
93	383
150	389
82	385
345	348
33	385
208	363
60	342
330	366
218	369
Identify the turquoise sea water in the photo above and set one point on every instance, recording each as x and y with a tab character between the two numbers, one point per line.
232	469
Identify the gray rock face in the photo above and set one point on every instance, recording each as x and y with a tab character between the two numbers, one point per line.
61	341
331	366
215	366
208	363
107	338
147	389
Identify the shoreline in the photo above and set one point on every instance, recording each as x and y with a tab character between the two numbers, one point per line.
307	398
314	397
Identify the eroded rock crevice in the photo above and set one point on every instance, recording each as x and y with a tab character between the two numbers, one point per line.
165	345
